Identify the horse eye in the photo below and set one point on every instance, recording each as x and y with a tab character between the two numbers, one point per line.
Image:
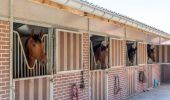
33	44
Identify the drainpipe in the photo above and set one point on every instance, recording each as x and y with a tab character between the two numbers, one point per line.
11	49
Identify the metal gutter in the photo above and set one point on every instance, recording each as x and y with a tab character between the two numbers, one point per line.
85	6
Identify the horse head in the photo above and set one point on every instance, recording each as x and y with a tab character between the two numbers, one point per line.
35	49
131	52
101	53
151	52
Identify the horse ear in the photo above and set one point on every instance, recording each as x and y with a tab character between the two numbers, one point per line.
32	32
41	33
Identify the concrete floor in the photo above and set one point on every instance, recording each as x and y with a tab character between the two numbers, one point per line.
160	93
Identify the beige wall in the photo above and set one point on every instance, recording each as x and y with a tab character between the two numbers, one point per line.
135	35
26	9
107	28
4	8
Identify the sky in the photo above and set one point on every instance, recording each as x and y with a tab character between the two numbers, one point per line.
155	13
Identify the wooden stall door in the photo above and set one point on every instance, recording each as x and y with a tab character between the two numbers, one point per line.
98	85
132	80
32	89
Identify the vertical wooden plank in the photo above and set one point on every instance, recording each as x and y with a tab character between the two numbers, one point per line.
119	52
97	84
115	52
61	65
44	89
65	51
21	90
71	52
74	51
160	53
40	88
68	51
104	84
31	89
17	90
165	54
163	57
77	51
26	88
80	51
58	50
35	89
102	89
94	79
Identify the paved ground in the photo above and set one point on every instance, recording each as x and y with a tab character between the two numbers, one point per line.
160	93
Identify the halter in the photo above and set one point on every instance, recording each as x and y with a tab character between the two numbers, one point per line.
116	85
74	91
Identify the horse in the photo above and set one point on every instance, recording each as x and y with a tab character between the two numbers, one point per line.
101	54
131	52
34	49
151	52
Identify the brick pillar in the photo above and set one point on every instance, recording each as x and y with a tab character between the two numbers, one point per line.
4	60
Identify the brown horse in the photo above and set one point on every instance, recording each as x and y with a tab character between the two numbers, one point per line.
34	48
101	54
151	52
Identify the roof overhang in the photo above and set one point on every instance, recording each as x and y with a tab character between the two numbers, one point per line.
89	9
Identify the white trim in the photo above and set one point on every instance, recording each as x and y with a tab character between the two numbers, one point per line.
70	71
30	78
114	67
57	50
131	40
65	30
141	64
96	70
116	38
3	18
99	34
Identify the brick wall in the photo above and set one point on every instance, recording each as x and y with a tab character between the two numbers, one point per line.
121	72
62	82
4	60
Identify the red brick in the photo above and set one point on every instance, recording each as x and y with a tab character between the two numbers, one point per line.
5	30
5	22
5	71
2	26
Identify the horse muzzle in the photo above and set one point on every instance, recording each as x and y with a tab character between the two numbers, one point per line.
44	60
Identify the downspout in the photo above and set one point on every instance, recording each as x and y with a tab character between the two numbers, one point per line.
11	49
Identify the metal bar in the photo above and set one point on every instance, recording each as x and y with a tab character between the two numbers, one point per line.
18	59
20	55
11	51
